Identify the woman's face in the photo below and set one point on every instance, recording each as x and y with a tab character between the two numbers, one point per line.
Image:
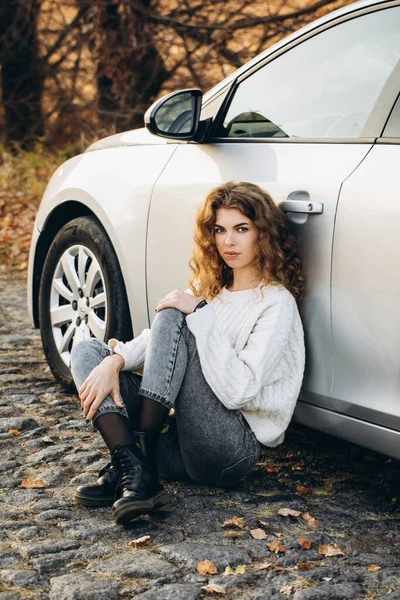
235	238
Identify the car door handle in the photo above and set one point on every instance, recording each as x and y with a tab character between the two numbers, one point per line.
302	206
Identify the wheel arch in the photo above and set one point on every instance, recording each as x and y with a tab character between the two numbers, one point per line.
59	216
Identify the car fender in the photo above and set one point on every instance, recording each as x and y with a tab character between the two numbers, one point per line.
115	185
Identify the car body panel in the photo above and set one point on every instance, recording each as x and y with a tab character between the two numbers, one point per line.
366	286
283	170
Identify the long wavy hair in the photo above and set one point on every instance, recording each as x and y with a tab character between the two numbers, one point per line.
277	261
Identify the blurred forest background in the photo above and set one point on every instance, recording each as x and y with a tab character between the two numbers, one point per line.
72	71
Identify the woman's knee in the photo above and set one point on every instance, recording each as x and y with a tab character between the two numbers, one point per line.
169	317
91	350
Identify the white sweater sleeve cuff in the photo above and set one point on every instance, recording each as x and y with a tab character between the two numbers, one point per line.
203	319
132	352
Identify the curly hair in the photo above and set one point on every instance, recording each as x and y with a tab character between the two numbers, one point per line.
277	261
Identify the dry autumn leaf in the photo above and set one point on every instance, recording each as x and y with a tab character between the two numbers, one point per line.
288	512
304	542
305	566
278	568
276	546
272	469
33	483
258	534
311	521
289	455
234	522
140	541
286	590
374	568
263	523
330	550
48	440
206	567
262	566
14	431
278	535
239	570
213	588
302	491
231	534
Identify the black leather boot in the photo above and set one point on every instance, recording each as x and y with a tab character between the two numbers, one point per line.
139	488
101	493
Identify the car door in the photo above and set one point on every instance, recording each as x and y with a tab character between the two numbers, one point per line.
296	125
366	285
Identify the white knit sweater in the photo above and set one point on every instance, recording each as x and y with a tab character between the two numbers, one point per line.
251	349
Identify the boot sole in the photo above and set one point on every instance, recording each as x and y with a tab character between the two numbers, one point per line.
92	501
130	510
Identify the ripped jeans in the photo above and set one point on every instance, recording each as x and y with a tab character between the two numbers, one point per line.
204	441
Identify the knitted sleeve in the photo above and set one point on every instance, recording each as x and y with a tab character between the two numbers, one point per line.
133	352
237	378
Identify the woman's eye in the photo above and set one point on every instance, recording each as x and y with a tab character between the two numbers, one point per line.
242	229
218	230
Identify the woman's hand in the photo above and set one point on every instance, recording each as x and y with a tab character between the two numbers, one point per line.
103	380
183	301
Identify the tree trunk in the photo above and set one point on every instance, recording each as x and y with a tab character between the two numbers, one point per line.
130	70
21	71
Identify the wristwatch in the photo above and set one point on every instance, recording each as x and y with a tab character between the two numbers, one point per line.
200	305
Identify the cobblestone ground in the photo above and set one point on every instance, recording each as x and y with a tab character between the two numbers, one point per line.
52	549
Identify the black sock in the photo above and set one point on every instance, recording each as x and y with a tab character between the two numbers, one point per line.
114	429
153	415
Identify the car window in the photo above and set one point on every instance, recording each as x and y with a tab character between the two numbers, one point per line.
392	128
325	86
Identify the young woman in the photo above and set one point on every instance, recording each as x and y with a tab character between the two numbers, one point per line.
227	355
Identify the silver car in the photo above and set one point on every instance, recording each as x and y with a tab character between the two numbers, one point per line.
315	120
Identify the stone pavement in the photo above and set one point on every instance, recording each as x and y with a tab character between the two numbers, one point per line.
52	549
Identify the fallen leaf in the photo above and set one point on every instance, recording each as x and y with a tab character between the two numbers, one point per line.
374	568
263	565
305	566
276	546
288	512
327	578
311	521
278	568
263	523
48	440
302	491
213	588
330	550
231	534
140	541
286	590
206	567
258	534
272	469
304	542
239	570
33	483
278	535
289	455
234	522
22	266
14	431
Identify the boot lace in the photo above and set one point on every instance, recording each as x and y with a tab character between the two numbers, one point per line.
127	465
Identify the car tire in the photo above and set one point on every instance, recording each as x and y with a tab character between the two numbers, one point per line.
82	294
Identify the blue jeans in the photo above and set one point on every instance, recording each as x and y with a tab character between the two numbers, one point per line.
204	441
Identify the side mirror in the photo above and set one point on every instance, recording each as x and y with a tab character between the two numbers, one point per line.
175	116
